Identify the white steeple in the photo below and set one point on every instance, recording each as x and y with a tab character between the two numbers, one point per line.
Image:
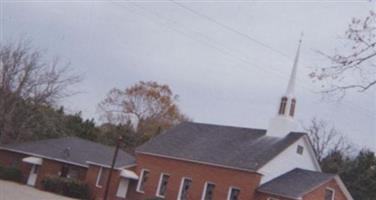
284	122
291	86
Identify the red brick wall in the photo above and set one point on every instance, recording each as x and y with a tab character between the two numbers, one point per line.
98	192
317	194
11	159
199	173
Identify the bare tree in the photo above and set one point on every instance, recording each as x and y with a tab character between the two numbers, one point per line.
326	138
28	84
151	107
353	67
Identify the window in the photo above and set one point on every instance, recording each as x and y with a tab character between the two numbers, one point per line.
292	109
162	186
300	149
329	194
282	107
64	171
184	188
208	191
233	194
102	177
143	179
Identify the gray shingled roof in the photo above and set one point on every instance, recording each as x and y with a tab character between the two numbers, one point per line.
296	183
242	148
80	151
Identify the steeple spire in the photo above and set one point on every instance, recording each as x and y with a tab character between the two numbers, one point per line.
284	122
291	85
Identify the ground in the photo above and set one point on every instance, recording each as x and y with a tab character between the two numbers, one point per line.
15	191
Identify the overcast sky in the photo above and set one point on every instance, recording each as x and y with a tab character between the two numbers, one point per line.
229	62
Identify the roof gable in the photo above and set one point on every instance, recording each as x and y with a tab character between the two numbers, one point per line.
72	150
295	183
242	148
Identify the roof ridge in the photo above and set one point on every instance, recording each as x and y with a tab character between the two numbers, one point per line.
226	126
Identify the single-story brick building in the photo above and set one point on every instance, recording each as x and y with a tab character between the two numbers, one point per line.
71	157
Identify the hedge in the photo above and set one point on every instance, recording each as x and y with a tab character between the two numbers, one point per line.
66	186
10	174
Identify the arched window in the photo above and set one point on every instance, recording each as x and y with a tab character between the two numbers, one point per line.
282	107
292	108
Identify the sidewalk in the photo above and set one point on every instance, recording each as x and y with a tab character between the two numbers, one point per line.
15	191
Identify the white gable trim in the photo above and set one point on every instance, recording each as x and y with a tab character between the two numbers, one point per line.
343	188
312	153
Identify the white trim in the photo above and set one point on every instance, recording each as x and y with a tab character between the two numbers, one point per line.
141	179
99	177
159	184
205	188
312	152
229	191
33	160
198	162
128	174
181	186
343	188
331	189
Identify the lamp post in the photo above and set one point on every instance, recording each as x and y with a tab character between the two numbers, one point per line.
112	168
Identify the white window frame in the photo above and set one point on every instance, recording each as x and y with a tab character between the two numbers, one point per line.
141	179
99	177
205	188
333	190
181	186
160	183
229	191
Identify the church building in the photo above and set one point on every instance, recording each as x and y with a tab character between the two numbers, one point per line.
193	161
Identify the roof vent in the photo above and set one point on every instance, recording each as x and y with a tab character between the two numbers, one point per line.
66	152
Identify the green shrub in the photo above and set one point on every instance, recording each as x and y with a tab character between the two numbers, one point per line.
53	184
67	187
10	174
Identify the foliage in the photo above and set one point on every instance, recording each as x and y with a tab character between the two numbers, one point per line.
10	174
109	133
67	187
358	173
29	87
353	67
325	138
149	106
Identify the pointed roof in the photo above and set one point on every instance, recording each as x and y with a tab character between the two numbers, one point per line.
291	85
233	147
